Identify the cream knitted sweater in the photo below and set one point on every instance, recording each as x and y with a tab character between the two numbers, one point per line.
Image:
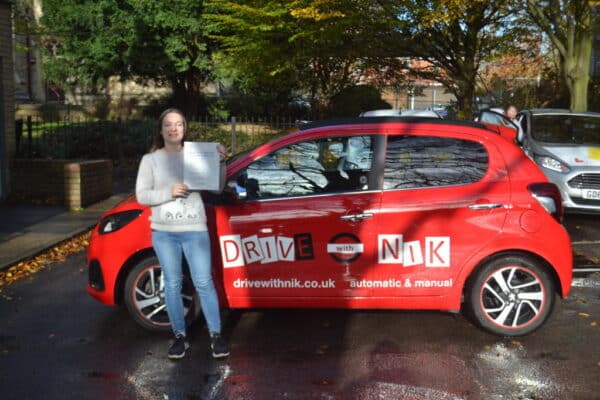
157	173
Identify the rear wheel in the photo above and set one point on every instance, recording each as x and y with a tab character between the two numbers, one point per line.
145	296
510	296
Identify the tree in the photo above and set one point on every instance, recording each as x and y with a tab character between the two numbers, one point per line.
455	37
319	47
568	25
91	41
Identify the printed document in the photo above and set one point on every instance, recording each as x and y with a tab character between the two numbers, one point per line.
201	165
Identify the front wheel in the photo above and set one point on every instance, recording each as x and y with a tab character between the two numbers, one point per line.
510	296
145	296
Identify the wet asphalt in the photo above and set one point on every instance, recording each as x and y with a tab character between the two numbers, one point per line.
56	342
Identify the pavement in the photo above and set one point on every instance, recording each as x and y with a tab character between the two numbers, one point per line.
27	230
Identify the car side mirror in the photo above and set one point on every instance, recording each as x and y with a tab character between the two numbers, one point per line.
242	189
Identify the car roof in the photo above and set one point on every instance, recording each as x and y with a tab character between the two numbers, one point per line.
421	113
390	112
560	111
387	112
387	120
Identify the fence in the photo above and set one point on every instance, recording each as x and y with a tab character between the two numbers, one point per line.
126	140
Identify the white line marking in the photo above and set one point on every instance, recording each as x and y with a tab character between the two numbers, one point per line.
586	242
584	282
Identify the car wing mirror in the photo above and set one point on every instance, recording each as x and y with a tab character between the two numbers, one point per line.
242	189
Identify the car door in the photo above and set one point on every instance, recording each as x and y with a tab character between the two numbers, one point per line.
302	225
443	199
500	124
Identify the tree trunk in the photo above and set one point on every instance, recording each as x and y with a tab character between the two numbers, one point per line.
576	71
573	39
579	90
187	94
464	97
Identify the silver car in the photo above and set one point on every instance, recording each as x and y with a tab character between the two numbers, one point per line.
566	146
400	113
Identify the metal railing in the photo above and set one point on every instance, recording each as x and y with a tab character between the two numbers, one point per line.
130	139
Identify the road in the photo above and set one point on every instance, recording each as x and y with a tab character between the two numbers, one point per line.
56	342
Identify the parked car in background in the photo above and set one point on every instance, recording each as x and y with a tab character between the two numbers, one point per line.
363	213
386	112
566	146
400	113
494	119
439	108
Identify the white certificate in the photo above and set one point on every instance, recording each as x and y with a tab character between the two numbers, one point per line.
201	169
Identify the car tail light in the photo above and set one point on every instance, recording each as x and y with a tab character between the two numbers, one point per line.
548	195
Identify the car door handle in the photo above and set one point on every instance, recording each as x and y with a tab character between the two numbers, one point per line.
484	206
356	217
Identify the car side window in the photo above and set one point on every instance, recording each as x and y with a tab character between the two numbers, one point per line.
335	164
422	162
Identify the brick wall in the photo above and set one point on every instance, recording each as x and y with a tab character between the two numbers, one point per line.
72	183
7	130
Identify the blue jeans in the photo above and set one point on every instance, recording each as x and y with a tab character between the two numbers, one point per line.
169	247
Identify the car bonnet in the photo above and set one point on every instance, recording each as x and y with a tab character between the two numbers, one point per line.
575	155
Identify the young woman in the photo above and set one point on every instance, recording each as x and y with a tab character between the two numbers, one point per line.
179	227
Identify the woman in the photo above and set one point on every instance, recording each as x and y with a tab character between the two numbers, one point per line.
179	227
510	111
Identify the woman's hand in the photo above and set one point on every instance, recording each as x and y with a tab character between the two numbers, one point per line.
222	152
179	190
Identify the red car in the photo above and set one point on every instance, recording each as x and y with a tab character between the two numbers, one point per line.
368	213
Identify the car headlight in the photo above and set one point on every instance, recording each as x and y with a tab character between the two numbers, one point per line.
116	221
551	164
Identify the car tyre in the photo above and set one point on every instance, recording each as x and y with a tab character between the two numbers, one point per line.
144	296
510	296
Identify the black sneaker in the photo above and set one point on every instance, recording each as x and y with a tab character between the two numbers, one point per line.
218	346
178	348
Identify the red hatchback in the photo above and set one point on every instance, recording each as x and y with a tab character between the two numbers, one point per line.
369	213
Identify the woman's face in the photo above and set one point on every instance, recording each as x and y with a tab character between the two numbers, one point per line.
511	112
172	129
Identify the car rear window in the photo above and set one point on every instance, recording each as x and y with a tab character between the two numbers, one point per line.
423	161
566	129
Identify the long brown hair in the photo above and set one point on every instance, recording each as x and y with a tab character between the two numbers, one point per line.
158	142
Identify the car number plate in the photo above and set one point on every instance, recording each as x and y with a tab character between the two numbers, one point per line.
591	194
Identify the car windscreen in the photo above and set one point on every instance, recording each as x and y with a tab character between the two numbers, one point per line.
566	129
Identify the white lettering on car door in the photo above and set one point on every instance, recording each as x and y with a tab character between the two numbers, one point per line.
437	251
269	249
393	250
237	252
412	253
231	250
390	249
285	248
252	250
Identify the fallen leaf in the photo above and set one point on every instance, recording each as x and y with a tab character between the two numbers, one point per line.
584	315
55	254
594	323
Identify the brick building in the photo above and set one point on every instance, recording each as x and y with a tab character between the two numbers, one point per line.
7	96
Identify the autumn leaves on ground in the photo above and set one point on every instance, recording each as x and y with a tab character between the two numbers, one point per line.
54	254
